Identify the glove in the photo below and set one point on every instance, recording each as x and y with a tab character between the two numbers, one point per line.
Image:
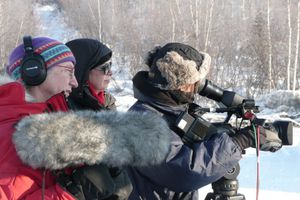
90	182
123	184
269	140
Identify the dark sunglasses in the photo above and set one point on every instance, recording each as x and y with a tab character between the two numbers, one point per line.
105	68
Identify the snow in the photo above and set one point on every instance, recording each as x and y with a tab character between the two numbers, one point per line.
278	171
53	28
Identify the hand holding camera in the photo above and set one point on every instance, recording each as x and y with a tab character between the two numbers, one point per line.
268	137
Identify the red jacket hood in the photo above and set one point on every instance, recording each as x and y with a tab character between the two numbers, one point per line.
13	104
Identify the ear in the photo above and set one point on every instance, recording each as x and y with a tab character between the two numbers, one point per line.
187	88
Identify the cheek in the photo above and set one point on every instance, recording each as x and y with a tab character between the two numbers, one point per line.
96	78
61	83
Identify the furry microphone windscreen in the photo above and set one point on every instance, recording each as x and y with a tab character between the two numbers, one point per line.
58	140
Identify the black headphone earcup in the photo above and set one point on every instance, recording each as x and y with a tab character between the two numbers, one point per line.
33	69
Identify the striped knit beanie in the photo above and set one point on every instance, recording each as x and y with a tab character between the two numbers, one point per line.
52	51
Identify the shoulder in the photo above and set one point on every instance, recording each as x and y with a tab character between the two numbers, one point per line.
110	101
141	106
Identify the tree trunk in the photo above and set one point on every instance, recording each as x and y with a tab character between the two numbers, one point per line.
20	29
288	81
173	24
269	46
243	11
209	25
99	21
2	48
297	49
113	16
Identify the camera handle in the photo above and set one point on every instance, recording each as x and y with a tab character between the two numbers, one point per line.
226	187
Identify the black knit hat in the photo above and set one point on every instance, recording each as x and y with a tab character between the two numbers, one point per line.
175	65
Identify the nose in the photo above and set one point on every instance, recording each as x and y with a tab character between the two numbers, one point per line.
74	82
109	73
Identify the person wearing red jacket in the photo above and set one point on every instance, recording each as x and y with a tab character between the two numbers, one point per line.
48	152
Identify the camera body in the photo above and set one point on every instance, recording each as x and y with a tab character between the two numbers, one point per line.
194	128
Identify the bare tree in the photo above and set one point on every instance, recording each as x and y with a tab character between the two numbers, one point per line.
269	46
99	20
247	40
297	49
173	17
290	45
243	10
209	25
16	19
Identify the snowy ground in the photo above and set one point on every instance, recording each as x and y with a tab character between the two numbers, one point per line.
57	29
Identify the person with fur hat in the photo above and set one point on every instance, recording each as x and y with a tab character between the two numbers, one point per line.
93	72
49	152
168	88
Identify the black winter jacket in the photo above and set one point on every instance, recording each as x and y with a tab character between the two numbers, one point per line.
89	53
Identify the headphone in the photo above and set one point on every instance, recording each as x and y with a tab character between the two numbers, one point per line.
33	66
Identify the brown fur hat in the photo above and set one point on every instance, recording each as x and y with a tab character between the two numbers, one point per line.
177	64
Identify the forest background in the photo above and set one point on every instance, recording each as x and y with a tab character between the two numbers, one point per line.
254	44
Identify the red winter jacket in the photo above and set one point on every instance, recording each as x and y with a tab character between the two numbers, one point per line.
17	180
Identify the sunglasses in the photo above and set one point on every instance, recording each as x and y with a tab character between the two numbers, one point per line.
105	68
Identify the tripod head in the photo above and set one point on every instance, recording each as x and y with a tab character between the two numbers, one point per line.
226	187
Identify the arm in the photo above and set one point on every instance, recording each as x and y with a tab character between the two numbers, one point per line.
189	169
110	101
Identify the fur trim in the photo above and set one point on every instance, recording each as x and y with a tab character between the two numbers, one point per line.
58	140
205	66
177	71
5	79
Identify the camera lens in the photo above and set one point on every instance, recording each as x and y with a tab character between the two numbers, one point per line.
285	131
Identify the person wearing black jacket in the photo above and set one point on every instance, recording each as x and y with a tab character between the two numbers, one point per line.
93	72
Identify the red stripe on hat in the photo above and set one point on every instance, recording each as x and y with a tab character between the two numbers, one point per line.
46	46
58	58
14	65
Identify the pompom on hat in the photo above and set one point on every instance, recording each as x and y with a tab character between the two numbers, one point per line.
177	64
52	51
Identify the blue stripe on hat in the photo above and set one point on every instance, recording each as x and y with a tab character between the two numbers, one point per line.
54	51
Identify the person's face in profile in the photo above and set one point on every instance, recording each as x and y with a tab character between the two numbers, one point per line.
60	78
100	76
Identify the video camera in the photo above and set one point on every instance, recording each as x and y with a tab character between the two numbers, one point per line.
195	128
